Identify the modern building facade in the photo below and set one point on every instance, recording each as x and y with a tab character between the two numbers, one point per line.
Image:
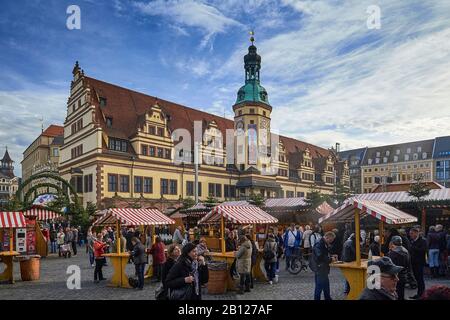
122	147
9	183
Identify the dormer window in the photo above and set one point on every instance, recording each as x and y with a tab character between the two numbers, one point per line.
109	122
102	102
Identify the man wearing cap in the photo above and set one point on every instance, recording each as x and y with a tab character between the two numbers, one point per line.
388	281
417	252
400	257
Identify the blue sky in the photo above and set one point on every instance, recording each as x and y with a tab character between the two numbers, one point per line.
329	78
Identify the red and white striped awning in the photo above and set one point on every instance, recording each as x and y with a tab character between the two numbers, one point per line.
286	202
239	214
42	214
133	217
377	209
10	219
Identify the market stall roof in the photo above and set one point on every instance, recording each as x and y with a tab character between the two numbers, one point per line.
133	217
378	209
403	196
238	212
324	208
286	202
42	214
10	219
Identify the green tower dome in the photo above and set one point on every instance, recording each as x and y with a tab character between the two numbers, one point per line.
252	91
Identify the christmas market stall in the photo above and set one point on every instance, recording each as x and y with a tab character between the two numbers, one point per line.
236	213
37	242
8	222
150	217
355	209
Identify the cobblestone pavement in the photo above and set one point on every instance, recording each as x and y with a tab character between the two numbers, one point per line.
52	285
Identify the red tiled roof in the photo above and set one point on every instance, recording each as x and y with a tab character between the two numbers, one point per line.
127	108
53	131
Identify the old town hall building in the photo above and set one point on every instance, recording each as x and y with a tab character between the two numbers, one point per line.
122	147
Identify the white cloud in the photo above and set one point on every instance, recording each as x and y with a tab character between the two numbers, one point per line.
21	113
357	86
191	13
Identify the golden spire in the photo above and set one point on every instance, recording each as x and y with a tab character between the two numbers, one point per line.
252	38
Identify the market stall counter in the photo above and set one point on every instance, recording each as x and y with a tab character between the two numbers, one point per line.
128	217
355	209
237	214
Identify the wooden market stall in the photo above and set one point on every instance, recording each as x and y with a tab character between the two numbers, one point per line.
8	222
355	209
237	213
128	217
38	242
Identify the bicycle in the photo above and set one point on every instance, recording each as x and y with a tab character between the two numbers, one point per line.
298	263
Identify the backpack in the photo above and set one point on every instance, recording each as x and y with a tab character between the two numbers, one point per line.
268	253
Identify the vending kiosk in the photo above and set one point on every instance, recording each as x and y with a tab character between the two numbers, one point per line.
21	240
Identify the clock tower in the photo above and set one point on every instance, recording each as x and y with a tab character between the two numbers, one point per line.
252	116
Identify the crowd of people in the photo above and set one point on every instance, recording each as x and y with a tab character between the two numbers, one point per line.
182	268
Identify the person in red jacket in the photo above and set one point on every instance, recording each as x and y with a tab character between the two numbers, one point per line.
159	258
99	250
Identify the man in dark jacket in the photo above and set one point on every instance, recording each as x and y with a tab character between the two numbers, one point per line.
400	257
375	246
387	281
349	255
320	264
139	259
417	255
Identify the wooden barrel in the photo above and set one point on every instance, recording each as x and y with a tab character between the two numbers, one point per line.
30	267
217	283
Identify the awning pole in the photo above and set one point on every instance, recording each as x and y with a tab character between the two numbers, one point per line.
381	236
11	240
357	236
254	232
118	236
153	235
222	232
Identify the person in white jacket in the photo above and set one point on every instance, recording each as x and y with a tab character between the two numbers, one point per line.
306	243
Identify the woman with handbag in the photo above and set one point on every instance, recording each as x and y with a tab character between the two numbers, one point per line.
186	276
173	253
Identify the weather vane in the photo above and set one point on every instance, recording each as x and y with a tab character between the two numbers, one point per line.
252	38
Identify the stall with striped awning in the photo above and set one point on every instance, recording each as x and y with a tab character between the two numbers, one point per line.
239	214
10	219
378	209
133	217
42	214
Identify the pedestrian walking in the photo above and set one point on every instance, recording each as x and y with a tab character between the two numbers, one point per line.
186	277
349	255
53	240
74	240
292	241
253	258
173	253
388	281
243	264
280	242
270	257
99	250
443	253
139	259
90	247
433	241
60	240
159	258
417	255
400	257
320	264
